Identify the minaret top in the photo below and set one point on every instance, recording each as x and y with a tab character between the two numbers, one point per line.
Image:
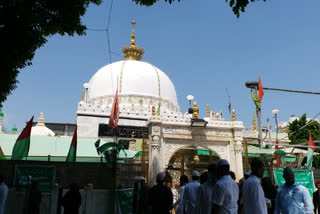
132	52
41	120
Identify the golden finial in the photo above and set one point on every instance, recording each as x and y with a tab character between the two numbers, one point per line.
195	111
132	135
196	159
208	111
254	127
82	98
133	36
132	52
153	110
233	115
284	129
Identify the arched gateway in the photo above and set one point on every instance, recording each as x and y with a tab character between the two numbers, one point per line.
168	134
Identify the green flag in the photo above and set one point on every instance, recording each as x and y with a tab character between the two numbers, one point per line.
2	157
158	111
22	145
256	101
72	154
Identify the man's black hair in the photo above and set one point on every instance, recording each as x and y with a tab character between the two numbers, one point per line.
233	176
256	163
212	168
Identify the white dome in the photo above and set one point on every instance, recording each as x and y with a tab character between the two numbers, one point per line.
133	78
40	128
41	131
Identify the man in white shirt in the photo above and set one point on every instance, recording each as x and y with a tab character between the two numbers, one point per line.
3	194
226	191
190	194
252	193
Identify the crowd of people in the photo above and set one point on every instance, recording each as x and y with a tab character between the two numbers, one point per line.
217	192
71	201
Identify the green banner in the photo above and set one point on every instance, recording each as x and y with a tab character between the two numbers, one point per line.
125	200
303	177
25	174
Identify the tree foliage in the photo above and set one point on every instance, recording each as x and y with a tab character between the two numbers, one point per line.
25	26
237	6
297	134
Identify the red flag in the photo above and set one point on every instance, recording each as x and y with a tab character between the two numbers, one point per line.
2	157
22	145
72	154
260	93
311	142
114	116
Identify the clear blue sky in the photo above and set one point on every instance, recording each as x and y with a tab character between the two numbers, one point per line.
200	45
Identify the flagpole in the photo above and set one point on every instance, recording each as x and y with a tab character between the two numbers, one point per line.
258	112
114	174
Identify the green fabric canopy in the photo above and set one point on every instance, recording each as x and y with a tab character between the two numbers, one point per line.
206	152
290	159
280	152
251	155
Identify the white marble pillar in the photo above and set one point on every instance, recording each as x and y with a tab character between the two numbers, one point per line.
154	152
238	158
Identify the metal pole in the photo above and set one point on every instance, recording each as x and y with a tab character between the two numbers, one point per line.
246	158
276	118
269	131
259	123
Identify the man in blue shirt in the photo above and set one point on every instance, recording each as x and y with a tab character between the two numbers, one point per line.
190	194
292	198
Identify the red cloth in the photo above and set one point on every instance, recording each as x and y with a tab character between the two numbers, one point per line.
318	182
260	93
311	142
114	116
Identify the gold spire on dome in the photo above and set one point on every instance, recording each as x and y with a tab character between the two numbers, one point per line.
153	110
254	127
284	130
132	52
195	111
82	97
233	115
208	111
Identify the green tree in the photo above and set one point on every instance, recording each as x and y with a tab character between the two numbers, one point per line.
25	26
297	134
237	6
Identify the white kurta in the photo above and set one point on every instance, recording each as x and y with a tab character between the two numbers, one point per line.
190	197
253	196
226	195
